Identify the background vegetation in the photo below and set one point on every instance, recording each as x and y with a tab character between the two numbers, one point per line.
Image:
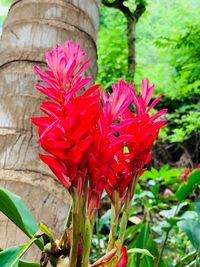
168	53
165	218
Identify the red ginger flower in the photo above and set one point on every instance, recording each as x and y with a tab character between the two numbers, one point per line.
65	132
107	140
84	137
64	76
78	132
144	130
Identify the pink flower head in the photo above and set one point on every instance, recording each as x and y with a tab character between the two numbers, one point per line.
86	134
65	131
64	76
143	130
108	138
118	101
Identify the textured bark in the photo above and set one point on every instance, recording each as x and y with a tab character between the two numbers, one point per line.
131	39
32	26
132	19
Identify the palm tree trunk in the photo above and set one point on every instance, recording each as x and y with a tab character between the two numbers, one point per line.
32	26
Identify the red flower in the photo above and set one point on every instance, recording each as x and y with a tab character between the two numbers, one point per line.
187	171
185	174
123	258
65	133
143	130
85	135
64	76
108	139
80	135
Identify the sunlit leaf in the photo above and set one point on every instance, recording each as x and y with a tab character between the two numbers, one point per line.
11	256
140	251
15	209
186	189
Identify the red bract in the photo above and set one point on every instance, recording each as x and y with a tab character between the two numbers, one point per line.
65	133
85	135
123	258
143	129
64	75
108	139
81	135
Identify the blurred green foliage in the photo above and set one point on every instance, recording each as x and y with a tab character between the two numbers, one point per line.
112	47
4	5
167	52
164	219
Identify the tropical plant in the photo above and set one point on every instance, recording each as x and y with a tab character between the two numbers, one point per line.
93	142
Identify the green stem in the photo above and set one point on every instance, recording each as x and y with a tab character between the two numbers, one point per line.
125	216
79	209
98	237
197	257
127	206
124	222
75	229
113	228
87	229
163	247
89	225
165	240
68	216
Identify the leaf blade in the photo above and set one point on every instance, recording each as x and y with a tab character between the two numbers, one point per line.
15	209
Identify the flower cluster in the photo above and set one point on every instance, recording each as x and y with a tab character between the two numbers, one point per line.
143	130
94	140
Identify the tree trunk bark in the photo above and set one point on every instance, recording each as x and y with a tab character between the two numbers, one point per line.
131	39
32	26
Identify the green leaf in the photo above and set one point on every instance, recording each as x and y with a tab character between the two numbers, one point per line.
140	251
144	241
47	231
14	208
173	221
186	189
173	211
28	264
155	172
105	219
164	169
186	259
10	257
148	174
191	228
197	206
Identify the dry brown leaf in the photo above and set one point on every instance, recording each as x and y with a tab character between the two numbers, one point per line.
105	259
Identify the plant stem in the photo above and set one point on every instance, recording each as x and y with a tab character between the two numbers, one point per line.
75	229
68	216
165	240
125	216
124	220
89	225
163	247
113	228
79	210
99	245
